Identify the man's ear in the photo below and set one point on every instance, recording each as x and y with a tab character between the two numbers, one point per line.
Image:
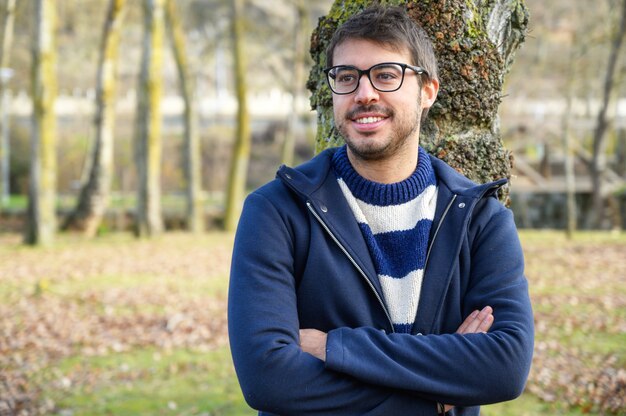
429	92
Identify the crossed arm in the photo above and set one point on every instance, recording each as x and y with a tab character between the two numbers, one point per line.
313	341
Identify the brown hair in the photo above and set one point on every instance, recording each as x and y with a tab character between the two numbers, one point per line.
390	26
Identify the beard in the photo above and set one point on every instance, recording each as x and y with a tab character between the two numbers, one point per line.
366	147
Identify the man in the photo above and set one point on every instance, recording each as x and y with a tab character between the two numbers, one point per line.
352	274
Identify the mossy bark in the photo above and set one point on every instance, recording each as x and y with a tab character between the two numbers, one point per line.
95	193
191	156
241	152
41	221
475	42
149	220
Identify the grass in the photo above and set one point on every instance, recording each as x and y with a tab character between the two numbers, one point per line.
117	326
579	298
150	382
170	201
529	405
15	202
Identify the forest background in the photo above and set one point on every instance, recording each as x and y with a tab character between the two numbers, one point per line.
75	340
564	60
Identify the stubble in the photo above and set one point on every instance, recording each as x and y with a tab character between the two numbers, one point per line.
404	130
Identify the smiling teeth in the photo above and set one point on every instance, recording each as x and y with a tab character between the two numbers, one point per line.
368	120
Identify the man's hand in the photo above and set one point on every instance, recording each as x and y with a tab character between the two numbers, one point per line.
477	322
313	342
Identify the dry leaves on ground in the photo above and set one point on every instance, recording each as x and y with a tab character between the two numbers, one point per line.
578	291
93	299
98	298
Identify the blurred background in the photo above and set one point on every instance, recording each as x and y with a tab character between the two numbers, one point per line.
119	325
556	83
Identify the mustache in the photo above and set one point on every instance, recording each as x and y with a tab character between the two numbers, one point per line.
364	109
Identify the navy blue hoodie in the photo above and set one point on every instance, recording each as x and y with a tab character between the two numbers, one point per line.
300	261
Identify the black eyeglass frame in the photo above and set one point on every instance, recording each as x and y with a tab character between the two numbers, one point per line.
417	69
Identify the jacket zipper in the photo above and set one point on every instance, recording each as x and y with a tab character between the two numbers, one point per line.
443	217
380	301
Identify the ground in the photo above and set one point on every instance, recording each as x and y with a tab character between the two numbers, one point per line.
127	327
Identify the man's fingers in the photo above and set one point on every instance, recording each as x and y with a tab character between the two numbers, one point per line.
466	323
483	320
477	321
486	323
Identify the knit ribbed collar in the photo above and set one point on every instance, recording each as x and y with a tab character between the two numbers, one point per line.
376	193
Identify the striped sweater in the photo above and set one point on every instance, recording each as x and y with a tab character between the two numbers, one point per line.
395	220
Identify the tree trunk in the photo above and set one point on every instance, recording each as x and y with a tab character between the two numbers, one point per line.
5	60
568	153
241	151
95	193
149	221
475	45
621	153
545	165
68	16
7	34
598	163
296	81
41	216
195	210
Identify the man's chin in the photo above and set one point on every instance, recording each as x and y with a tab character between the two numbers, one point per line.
367	151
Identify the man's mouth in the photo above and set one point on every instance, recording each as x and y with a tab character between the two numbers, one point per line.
368	120
368	115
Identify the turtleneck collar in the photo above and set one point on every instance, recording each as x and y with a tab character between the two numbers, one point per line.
384	194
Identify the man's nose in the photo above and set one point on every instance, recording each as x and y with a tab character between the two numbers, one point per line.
365	93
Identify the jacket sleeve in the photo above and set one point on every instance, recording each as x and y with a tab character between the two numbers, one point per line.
462	370
275	375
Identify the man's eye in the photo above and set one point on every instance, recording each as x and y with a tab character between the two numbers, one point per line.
386	76
345	78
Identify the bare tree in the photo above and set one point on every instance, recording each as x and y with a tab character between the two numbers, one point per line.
566	132
95	193
41	216
241	152
149	220
598	164
475	42
7	33
297	79
5	59
195	210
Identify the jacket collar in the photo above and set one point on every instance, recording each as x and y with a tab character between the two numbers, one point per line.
310	176
316	183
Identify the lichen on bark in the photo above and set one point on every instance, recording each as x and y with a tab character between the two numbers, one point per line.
475	42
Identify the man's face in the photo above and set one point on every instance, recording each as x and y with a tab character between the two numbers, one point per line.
374	124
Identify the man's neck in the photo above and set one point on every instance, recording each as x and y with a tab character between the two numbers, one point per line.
391	170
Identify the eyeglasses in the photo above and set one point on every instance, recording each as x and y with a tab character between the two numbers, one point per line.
385	77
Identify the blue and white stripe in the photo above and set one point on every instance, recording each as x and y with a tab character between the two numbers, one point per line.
395	220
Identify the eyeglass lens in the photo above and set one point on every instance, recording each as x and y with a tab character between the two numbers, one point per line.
384	77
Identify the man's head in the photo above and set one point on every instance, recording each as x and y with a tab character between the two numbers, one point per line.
392	27
383	74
